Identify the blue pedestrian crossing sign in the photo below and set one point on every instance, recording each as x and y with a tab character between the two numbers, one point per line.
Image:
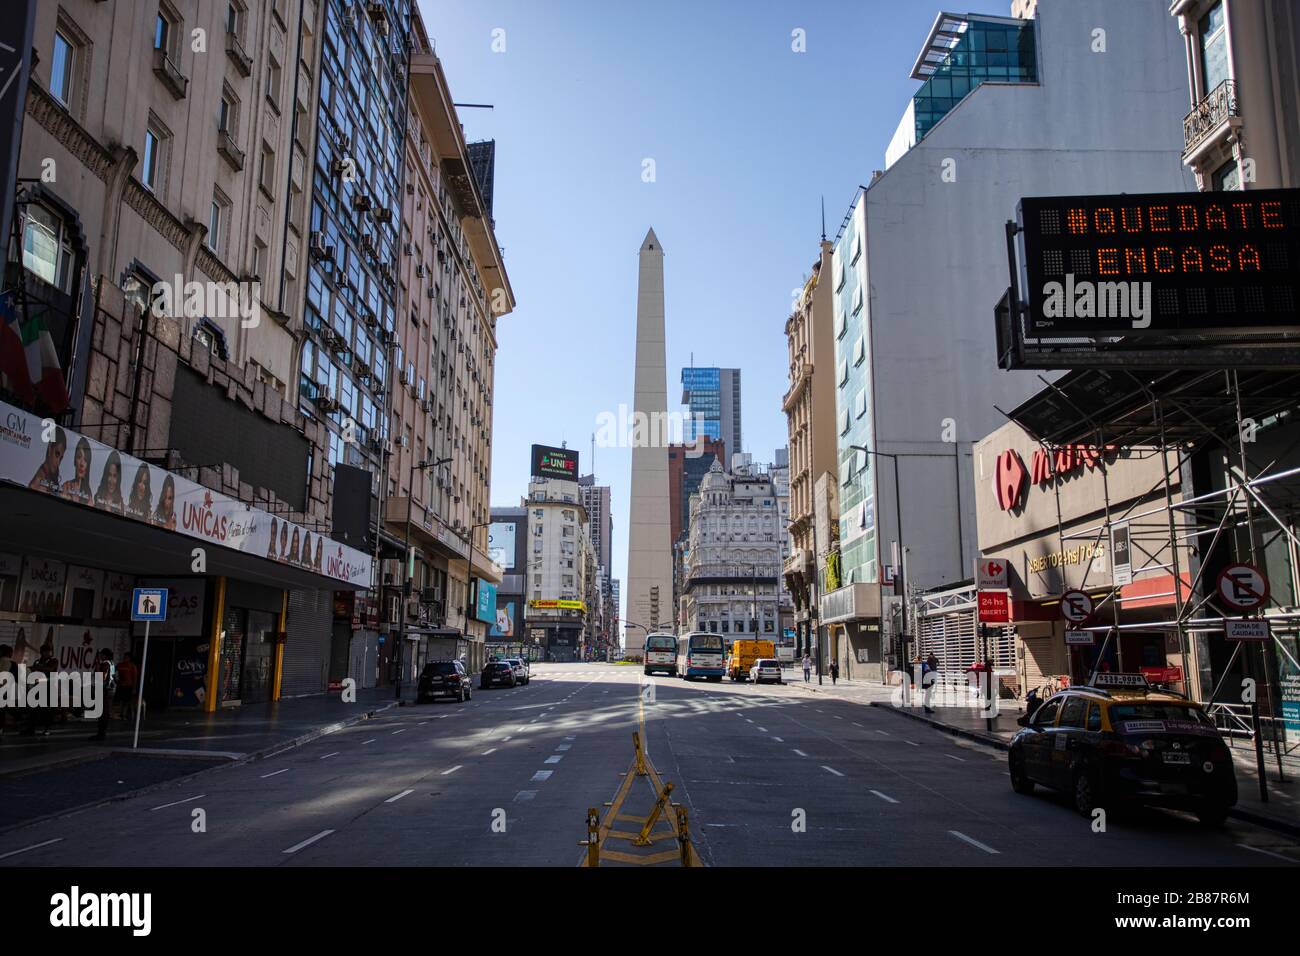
149	604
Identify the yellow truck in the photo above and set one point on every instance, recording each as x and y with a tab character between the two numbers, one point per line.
744	654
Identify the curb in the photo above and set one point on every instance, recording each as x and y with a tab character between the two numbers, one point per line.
989	741
220	758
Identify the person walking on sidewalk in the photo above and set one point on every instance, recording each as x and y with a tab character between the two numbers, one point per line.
104	668
931	674
835	672
39	719
807	668
128	675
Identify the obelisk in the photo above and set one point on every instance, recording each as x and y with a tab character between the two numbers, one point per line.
649	551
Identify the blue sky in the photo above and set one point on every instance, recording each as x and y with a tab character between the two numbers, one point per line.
747	136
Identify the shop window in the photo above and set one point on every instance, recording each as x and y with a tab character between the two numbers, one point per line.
47	246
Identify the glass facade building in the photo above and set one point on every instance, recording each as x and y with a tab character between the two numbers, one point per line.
712	396
355	219
1002	51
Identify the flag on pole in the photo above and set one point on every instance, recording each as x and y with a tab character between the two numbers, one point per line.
29	362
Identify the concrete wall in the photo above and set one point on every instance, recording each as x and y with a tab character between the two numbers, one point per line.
1096	123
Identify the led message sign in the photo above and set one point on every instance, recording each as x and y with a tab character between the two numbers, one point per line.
1170	263
554	463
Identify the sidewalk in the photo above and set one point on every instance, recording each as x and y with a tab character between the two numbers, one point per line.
233	734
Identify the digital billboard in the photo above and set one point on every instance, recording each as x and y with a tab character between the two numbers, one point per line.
501	543
551	462
1220	263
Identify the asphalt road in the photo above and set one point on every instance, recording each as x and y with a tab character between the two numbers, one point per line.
770	775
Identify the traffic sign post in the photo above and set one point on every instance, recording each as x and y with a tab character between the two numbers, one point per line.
1243	587
1246	629
1076	606
147	605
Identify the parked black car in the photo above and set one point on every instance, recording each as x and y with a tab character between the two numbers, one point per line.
443	679
497	674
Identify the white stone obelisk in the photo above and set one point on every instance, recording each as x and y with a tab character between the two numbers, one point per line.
649	551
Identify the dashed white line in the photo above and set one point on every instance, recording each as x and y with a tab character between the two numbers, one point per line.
404	793
801	753
973	842
912	743
885	732
856	724
177	803
883	796
542	774
396	732
327	756
452	769
955	757
504	739
525	795
779	740
34	846
370	741
554	758
275	773
564	746
309	841
489	751
762	730
832	770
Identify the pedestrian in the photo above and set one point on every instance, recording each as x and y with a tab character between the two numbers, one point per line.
807	668
128	676
931	675
104	668
40	718
835	672
7	666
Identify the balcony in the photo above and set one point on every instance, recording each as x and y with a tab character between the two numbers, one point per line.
231	153
235	51
742	574
1209	116
170	74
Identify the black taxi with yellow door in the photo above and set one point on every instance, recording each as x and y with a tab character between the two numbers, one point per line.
1117	741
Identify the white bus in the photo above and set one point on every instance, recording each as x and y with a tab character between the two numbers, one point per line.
700	654
661	654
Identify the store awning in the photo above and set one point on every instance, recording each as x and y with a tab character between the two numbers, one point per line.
59	530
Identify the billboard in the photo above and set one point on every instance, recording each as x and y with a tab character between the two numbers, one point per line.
1220	263
505	622
551	462
485	604
501	543
63	464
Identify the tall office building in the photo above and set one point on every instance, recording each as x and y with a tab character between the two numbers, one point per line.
595	498
649	549
713	396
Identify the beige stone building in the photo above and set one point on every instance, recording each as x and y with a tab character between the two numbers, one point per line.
809	407
1243	66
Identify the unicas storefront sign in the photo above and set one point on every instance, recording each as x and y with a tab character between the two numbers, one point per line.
38	455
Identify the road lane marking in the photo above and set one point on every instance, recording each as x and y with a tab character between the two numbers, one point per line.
882	796
370	741
404	793
452	769
856	724
523	795
308	842
973	842
177	803
779	740
1255	849
801	753
327	756
762	730
396	732
912	743
564	746
504	739
885	732
490	750
955	757
570	738
542	774
275	773
832	770
554	758
749	720
34	846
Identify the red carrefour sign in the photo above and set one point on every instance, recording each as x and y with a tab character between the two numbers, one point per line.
994	608
1009	480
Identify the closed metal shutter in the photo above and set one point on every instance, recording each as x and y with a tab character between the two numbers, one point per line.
1044	659
363	658
307	647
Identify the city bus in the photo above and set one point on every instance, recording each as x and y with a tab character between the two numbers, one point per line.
700	654
661	654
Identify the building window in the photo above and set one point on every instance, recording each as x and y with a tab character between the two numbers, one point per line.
47	251
227	118
152	164
1214	49
273	82
161	28
216	223
266	178
234	18
1227	178
61	68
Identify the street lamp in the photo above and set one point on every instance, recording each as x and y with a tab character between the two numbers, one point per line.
407	562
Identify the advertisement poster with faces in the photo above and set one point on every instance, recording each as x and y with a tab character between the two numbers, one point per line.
64	464
41	590
74	646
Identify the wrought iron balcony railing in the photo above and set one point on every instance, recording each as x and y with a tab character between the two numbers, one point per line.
1209	114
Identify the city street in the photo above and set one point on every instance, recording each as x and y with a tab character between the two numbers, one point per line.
423	786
